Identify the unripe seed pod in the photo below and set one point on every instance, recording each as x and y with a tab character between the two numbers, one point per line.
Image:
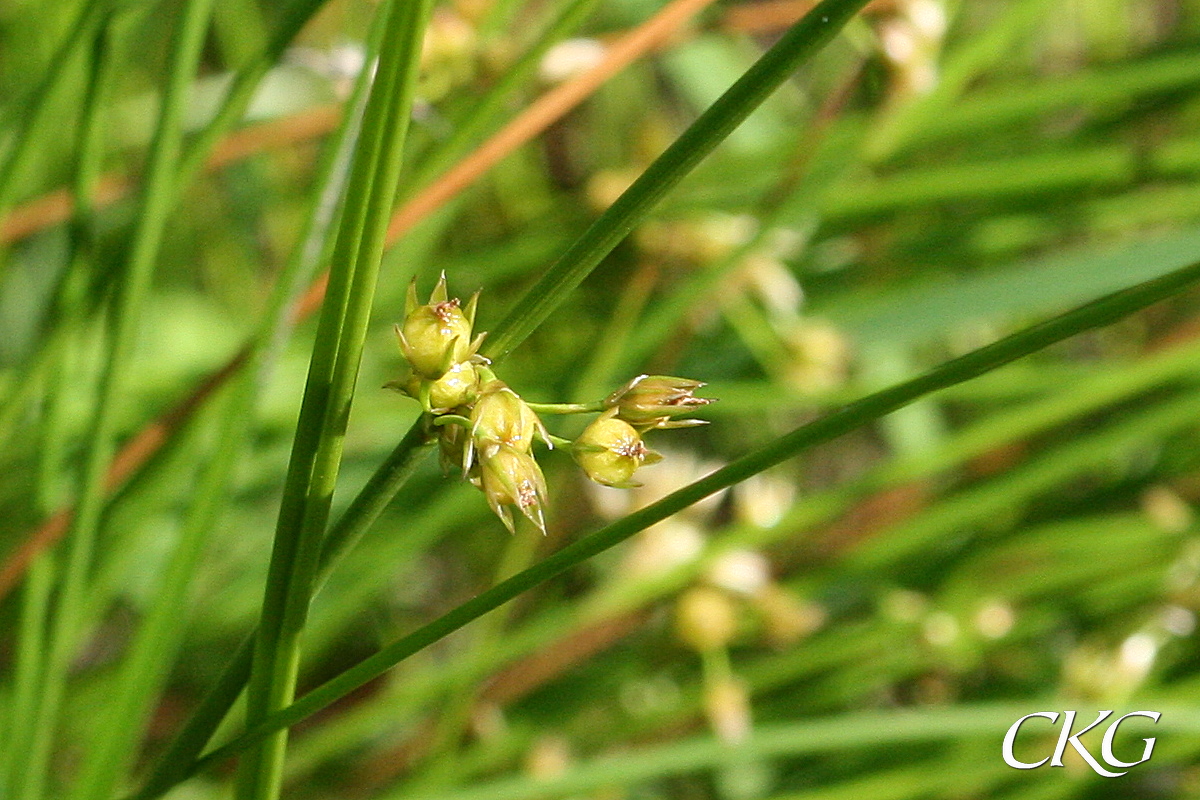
455	388
512	478
435	337
610	450
500	416
650	401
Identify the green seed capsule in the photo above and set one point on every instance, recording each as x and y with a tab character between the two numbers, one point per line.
434	338
651	401
610	450
512	478
500	416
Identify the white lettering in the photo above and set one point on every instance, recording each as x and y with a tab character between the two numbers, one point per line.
1069	738
1011	737
1106	751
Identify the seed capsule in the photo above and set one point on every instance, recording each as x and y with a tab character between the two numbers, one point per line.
610	450
651	401
436	336
512	478
500	416
705	619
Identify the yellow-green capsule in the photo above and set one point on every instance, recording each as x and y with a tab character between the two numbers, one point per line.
455	388
512	478
436	336
610	450
500	416
651	401
705	619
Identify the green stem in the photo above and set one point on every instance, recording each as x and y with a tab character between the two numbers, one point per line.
333	372
306	255
127	313
241	91
568	408
154	648
41	100
26	677
68	314
1103	311
395	471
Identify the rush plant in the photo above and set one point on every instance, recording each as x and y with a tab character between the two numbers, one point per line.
935	259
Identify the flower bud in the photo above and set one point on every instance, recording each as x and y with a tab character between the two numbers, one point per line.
787	618
500	416
650	401
512	478
437	335
610	450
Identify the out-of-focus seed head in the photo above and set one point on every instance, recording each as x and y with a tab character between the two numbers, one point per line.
727	706
652	401
570	58
610	450
509	477
787	618
820	356
449	54
501	417
705	619
740	571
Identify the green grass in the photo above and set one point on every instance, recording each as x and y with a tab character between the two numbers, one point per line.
945	300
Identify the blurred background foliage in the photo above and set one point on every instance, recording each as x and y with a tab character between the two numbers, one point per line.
863	622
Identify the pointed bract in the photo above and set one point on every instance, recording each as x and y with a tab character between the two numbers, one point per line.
439	293
469	309
410	298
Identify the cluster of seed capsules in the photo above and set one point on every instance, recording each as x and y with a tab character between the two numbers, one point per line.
486	431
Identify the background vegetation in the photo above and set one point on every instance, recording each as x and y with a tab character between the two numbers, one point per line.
864	620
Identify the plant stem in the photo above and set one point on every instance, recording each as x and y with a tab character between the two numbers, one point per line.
68	316
333	371
41	99
310	250
567	408
128	304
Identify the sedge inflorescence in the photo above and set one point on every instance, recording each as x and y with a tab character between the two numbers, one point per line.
486	431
